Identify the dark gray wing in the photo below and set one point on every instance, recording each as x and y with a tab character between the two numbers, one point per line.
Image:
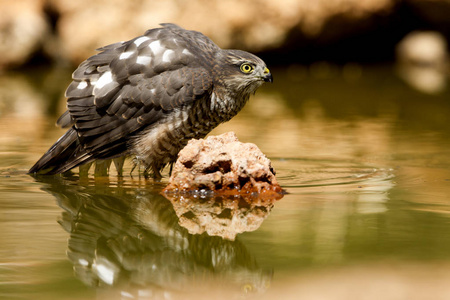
130	85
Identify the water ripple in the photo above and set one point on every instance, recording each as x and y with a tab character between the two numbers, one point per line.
302	172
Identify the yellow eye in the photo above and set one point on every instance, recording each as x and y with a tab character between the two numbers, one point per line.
247	68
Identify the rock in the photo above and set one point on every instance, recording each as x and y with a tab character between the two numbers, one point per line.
85	25
423	61
222	187
224	165
23	29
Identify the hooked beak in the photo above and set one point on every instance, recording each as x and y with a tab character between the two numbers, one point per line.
267	76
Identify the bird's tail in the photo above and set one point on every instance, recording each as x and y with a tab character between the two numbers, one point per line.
64	155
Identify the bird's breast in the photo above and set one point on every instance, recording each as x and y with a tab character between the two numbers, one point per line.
160	143
225	107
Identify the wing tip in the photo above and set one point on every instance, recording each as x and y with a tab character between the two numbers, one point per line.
60	157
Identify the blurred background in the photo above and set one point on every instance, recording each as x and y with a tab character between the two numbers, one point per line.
48	38
356	124
285	32
339	58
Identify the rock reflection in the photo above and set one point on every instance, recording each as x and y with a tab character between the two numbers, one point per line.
220	215
130	238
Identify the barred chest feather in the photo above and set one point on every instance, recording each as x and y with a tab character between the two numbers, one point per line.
160	144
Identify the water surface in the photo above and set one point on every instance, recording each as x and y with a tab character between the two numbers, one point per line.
364	159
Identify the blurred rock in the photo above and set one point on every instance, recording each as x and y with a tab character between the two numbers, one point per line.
422	59
86	25
224	165
23	29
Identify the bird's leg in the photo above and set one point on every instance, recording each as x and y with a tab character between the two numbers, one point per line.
136	163
84	169
171	168
157	175
102	167
150	170
118	163
154	171
146	173
132	169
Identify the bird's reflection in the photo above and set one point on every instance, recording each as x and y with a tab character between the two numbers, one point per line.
131	238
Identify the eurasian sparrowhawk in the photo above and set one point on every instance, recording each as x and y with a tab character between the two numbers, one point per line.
148	96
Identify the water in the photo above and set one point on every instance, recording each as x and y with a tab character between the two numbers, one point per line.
364	159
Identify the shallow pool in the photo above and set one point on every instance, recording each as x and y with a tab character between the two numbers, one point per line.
365	161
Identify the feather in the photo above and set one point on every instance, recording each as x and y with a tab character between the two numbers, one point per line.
101	129
127	88
81	102
65	154
84	125
65	120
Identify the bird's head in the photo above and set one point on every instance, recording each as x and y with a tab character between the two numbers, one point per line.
242	72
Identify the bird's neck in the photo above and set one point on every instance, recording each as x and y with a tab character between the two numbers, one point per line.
227	105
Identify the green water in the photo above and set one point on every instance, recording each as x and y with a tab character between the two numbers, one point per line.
365	161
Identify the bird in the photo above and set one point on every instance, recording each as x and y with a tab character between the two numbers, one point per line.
148	96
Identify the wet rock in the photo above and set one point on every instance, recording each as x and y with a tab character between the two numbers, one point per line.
224	165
